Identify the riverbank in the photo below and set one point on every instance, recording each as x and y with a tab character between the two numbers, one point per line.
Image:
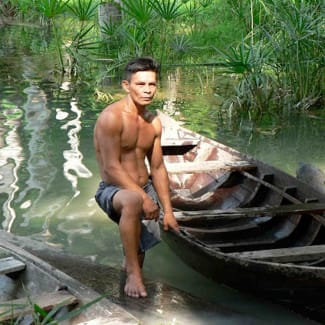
164	305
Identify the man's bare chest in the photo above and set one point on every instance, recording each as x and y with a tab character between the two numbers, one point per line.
138	135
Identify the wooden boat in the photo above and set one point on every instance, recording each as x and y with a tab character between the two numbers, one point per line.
30	287
243	222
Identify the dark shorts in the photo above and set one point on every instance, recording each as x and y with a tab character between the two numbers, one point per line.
150	231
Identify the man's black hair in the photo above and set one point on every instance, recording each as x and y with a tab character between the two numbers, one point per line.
140	64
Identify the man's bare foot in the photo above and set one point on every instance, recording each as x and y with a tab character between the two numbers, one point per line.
134	287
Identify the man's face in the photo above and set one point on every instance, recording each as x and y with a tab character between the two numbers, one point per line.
142	87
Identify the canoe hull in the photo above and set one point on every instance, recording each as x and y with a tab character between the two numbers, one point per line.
245	223
272	280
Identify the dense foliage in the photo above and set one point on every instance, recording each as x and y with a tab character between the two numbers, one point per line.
273	49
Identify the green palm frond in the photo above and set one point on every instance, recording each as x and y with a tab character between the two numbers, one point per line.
84	10
167	9
140	10
51	8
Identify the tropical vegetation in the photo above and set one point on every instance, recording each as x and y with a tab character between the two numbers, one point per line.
273	50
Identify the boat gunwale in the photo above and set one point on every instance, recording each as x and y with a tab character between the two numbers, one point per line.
243	261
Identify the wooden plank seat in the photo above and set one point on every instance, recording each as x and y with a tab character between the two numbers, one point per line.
10	265
47	301
285	255
208	166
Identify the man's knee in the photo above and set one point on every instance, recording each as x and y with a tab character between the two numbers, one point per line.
129	202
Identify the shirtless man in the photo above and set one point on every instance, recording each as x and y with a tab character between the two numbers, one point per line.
125	134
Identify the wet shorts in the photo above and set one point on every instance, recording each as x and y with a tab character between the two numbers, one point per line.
150	231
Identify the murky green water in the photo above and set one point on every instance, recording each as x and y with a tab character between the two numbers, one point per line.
48	172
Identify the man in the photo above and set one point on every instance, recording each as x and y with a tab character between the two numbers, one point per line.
125	134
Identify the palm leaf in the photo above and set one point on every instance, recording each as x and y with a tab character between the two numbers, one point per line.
140	10
84	10
167	9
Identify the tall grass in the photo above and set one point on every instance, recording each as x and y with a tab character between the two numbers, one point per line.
148	28
82	42
280	63
71	45
167	11
297	37
254	91
51	9
167	29
275	48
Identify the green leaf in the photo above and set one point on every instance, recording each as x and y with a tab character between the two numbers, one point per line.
167	9
84	10
140	10
51	8
39	310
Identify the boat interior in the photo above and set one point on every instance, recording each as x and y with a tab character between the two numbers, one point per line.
237	205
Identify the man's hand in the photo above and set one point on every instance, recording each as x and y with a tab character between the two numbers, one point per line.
150	209
170	221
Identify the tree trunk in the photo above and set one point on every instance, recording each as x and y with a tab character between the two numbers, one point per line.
109	12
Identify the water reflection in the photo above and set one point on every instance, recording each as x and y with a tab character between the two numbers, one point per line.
30	162
171	92
73	167
39	166
11	157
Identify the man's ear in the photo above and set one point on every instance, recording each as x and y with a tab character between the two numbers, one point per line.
125	85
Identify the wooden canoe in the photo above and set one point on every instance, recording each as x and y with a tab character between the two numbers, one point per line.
243	222
26	281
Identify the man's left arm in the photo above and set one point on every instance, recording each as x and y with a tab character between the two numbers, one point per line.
160	179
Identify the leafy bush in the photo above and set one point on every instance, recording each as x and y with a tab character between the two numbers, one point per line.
280	63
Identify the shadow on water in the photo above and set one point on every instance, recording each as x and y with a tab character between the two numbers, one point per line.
49	174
